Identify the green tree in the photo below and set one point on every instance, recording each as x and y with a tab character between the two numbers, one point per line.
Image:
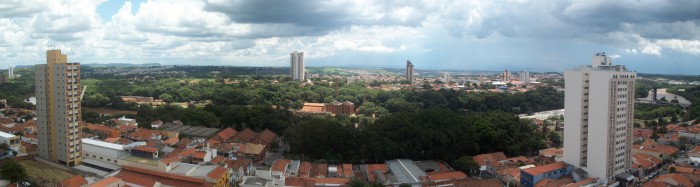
465	164
166	97
12	171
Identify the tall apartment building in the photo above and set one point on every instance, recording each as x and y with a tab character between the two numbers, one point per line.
296	69
58	109
506	76
599	112
11	72
525	77
409	71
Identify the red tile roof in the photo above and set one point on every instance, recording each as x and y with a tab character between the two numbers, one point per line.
299	181
674	179
199	154
280	165
74	181
266	136
186	152
644	161
493	158
581	183
106	181
146	149
546	168
347	170
218	159
304	169
139	176
171	141
376	167
447	176
336	181
246	135
226	134
319	170
217	172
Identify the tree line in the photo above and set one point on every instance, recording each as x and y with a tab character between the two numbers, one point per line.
426	134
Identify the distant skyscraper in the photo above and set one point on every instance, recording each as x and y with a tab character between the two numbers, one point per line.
525	77
296	69
57	92
11	72
599	112
506	76
446	77
409	71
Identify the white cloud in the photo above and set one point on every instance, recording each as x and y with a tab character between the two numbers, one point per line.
220	31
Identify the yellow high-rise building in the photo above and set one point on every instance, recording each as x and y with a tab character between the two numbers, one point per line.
58	109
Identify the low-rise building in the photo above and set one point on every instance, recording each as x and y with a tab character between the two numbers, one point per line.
11	140
531	176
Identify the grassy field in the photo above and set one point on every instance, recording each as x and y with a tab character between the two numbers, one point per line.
37	169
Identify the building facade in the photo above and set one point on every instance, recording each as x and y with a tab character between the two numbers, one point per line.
409	71
11	72
506	76
525	77
296	69
58	109
599	110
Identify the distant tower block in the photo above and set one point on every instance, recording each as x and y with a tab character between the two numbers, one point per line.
525	77
409	71
296	68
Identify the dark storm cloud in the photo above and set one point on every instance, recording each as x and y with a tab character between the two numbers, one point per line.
298	12
654	19
316	17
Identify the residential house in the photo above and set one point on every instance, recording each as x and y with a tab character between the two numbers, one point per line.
225	135
672	179
659	151
643	165
103	131
74	181
489	162
245	136
531	176
266	137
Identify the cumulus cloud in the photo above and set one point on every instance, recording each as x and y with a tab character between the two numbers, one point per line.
264	31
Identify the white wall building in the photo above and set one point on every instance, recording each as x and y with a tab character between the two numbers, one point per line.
103	151
296	68
10	139
599	110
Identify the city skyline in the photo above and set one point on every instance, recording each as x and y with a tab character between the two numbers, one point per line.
651	36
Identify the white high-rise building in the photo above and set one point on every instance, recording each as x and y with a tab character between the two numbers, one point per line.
525	77
296	69
506	76
11	72
599	113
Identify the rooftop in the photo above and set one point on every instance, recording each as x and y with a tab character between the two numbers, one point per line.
546	168
103	144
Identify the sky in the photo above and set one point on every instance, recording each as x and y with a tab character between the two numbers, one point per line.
648	36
